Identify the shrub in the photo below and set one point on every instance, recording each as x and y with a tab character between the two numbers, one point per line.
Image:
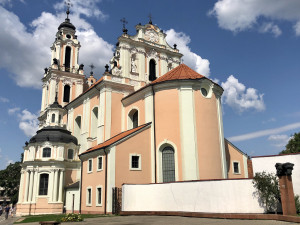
267	188
297	203
71	217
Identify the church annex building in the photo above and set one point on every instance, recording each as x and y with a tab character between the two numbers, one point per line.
149	119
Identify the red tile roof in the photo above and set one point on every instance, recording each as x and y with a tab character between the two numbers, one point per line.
181	72
115	139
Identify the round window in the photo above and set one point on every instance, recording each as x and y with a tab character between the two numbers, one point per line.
204	92
68	36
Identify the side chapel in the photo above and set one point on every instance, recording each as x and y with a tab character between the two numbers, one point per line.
148	119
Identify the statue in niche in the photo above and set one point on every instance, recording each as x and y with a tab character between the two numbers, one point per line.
133	65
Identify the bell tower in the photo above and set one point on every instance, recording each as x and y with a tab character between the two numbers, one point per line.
64	77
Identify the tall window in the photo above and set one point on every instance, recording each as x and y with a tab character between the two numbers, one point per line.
135	161
99	193
236	167
53	118
68	58
43	190
90	165
59	119
89	196
70	154
94	122
100	163
133	119
66	93
46	152
168	164
77	127
152	70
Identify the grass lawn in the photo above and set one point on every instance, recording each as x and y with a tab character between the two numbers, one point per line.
38	218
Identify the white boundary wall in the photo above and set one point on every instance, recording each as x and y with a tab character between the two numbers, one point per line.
267	163
219	196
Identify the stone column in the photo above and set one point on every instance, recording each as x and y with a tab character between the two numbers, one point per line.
284	173
61	185
50	185
27	186
55	185
30	185
35	185
21	187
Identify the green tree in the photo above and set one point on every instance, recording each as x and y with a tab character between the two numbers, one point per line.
268	191
293	146
10	181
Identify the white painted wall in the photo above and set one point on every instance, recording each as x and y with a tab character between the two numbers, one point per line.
267	163
69	199
222	196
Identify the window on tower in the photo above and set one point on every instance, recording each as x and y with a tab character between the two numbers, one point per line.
68	58
53	118
66	93
152	70
46	152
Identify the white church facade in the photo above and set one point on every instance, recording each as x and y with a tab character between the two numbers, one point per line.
148	119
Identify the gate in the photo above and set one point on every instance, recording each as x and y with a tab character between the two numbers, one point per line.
116	200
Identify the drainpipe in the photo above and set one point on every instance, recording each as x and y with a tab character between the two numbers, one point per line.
105	195
155	169
80	186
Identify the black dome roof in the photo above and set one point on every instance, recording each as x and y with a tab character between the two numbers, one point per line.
53	134
67	24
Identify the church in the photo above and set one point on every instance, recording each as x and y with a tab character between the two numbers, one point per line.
148	119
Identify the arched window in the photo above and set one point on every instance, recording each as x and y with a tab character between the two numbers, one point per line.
133	120
59	119
66	93
70	154
152	70
77	128
68	58
46	152
168	164
94	122
44	178
53	118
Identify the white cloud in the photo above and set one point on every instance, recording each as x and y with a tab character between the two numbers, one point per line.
270	28
4	100
240	15
25	50
237	96
28	122
263	133
13	110
190	58
270	120
279	140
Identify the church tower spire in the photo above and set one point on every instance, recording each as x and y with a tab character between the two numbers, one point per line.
65	77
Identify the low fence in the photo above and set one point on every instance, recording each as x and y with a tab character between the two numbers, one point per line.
213	196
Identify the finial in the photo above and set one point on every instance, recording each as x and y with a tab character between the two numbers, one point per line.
55	97
150	18
92	67
106	68
175	46
124	21
68	4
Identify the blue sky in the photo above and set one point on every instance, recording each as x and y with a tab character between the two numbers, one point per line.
251	48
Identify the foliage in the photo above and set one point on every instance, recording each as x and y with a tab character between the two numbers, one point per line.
293	146
297	203
10	181
71	217
267	188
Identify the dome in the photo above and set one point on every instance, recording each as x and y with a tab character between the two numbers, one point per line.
53	134
67	24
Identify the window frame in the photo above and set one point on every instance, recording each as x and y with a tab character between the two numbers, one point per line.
39	190
88	165
72	154
130	162
46	157
97	195
239	167
87	196
100	169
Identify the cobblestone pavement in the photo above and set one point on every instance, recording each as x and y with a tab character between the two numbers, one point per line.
160	220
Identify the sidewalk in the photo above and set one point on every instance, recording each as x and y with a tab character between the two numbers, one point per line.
160	220
9	221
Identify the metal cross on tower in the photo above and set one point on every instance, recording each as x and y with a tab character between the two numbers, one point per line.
124	21
150	18
68	4
92	67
